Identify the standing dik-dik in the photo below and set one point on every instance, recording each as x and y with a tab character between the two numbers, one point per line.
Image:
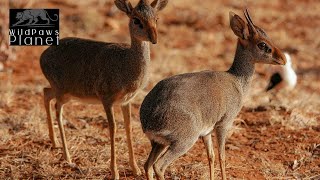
182	108
106	73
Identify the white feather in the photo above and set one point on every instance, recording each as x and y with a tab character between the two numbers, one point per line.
288	74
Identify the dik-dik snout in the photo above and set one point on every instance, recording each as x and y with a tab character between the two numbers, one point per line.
143	19
256	41
153	35
278	57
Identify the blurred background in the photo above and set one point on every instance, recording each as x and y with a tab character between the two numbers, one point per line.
275	136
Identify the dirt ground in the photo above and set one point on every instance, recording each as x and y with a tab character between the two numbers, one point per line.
275	136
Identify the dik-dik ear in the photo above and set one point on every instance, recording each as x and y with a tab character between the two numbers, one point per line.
158	5
124	5
237	25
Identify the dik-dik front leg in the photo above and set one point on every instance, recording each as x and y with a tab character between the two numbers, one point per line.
48	96
112	131
126	111
59	111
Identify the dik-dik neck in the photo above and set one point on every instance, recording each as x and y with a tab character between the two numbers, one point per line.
140	60
141	49
242	67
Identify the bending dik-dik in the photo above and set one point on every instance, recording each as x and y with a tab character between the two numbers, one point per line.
106	73
182	108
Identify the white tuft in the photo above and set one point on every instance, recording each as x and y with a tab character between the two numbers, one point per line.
288	74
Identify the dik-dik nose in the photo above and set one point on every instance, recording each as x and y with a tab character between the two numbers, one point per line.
279	57
153	35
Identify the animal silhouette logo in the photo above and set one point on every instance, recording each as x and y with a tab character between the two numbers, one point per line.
33	27
32	16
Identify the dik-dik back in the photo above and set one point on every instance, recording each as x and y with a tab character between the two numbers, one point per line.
90	68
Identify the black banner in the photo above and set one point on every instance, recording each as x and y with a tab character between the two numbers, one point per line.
34	27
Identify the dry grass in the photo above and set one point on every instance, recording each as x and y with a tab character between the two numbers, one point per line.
276	135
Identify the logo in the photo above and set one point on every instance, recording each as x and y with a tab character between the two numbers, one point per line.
34	27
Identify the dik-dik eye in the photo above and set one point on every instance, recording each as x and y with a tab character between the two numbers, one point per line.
137	22
264	47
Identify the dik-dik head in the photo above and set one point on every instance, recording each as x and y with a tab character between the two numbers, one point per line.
143	18
255	40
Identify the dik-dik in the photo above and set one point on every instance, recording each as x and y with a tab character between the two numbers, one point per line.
100	72
183	108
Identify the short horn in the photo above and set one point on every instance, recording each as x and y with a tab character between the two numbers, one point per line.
249	20
248	16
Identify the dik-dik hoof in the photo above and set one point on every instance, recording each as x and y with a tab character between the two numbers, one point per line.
136	171
55	145
115	176
54	142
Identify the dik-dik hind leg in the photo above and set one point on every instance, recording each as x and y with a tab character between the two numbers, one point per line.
49	94
174	151
156	151
126	111
112	131
207	140
59	111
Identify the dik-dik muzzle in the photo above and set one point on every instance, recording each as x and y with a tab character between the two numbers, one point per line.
153	35
279	57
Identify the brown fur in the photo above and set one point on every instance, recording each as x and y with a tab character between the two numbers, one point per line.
98	72
183	108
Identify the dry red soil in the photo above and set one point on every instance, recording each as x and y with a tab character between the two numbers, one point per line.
275	136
